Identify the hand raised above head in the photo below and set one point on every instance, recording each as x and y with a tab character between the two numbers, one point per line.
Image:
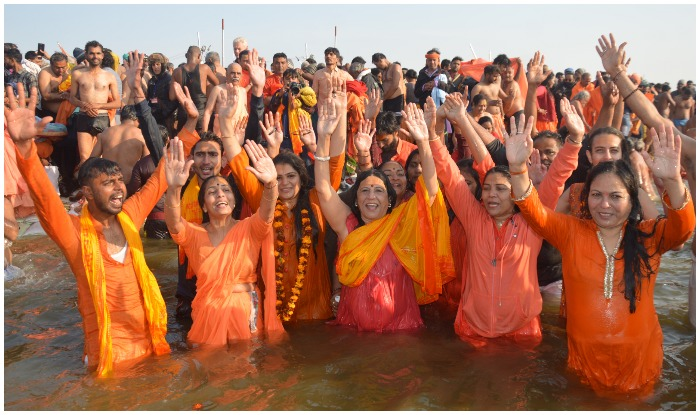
573	121
261	164
373	105
454	108
519	145
535	70
256	69
415	122
328	117
363	137
306	132
183	97
21	123
177	167
229	102
272	129
666	163
612	56
134	66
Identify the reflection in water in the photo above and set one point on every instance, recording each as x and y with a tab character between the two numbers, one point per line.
317	366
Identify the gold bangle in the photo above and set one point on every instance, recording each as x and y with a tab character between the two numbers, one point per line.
321	158
569	139
271	187
525	195
171	207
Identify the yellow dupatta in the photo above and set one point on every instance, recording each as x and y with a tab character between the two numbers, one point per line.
191	212
154	305
419	236
308	97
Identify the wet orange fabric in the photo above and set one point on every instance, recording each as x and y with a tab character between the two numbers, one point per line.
609	347
129	329
64	112
15	186
218	313
501	293
314	300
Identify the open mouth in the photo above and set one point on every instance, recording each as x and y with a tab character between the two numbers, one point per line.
116	201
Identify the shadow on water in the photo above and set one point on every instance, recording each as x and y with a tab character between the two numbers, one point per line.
317	366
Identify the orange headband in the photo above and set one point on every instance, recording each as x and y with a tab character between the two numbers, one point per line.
432	56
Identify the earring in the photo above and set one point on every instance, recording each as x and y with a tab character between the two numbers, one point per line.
390	205
356	203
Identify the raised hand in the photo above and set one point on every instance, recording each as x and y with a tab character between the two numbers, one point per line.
612	56
373	105
519	146
177	168
261	164
272	129
609	91
339	95
430	114
228	102
415	123
183	97
21	124
306	133
535	70
666	163
256	69
238	132
328	117
454	108
536	170
573	121
134	67
363	137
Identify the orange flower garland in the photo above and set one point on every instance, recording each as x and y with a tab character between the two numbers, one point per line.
285	311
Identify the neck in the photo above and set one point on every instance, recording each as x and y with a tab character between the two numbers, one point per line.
331	67
107	220
291	203
219	223
610	232
502	219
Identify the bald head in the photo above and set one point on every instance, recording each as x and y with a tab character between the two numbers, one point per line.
233	74
194	52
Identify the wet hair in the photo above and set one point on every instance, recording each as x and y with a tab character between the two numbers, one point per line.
94	166
411	74
295	162
492	69
332	50
93	44
14	54
476	99
624	144
350	196
467	166
503	171
409	185
377	57
57	57
634	254
549	134
387	123
208	136
502	60
237	197
128	113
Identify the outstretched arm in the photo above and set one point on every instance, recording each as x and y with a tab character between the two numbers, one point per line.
518	149
264	169
418	130
535	77
177	171
147	123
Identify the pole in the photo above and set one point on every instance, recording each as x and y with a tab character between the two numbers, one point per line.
222	43
473	53
335	37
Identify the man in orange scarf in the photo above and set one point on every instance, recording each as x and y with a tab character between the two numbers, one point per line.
124	315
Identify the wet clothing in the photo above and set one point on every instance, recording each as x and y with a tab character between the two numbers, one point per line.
394	105
91	125
192	80
609	347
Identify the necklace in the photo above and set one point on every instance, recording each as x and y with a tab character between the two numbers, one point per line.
286	310
609	265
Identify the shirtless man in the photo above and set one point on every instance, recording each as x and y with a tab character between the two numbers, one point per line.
91	89
213	59
219	95
513	103
49	79
684	106
123	144
195	76
393	84
322	78
664	102
491	89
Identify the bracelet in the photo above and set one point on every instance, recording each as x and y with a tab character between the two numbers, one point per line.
569	139
515	173
618	74
171	207
321	158
524	196
271	187
437	138
269	199
630	94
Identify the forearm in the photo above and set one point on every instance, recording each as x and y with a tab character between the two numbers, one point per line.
474	140
638	103
257	109
519	179
268	202
618	114
531	105
428	167
675	189
173	216
150	130
605	118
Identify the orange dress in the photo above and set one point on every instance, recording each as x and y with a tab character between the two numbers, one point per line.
218	313
129	326
612	349
315	297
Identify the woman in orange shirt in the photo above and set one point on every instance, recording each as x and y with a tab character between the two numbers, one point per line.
223	252
610	261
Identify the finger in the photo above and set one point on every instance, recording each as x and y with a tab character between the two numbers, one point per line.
648	160
44	121
10	93
21	96
513	127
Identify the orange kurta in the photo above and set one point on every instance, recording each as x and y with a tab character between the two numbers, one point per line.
314	300
129	326
609	347
218	313
501	293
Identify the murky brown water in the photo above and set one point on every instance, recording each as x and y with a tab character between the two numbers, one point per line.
319	367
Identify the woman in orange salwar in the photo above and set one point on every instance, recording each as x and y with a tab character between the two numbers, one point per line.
223	252
610	261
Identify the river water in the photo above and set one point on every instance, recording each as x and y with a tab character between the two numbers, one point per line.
318	366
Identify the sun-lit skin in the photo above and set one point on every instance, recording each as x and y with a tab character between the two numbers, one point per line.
106	193
218	198
289	183
609	202
372	199
605	147
207	160
397	177
495	195
548	148
414	169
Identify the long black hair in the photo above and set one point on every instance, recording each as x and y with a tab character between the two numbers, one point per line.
466	166
634	253
237	197
409	184
295	162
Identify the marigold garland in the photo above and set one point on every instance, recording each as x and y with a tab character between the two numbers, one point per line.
285	311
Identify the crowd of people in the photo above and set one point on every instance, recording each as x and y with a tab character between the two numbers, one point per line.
357	196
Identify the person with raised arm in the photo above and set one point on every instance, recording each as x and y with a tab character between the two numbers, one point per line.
124	315
392	258
610	262
222	251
